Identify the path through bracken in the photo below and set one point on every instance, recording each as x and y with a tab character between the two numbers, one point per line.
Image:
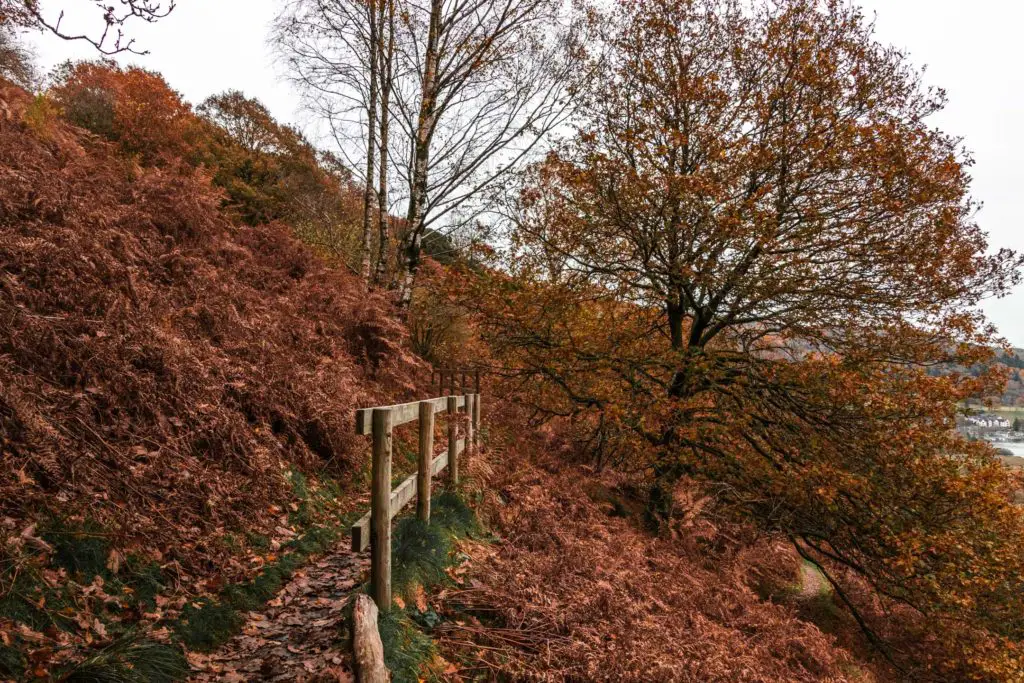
299	635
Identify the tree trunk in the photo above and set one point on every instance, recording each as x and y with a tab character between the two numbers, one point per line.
675	322
424	132
386	71
371	124
660	497
668	472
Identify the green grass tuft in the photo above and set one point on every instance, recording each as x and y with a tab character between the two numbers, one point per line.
451	513
12	663
146	579
214	622
207	624
81	549
257	541
129	661
420	554
407	651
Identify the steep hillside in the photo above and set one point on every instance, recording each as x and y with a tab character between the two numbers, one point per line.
576	590
176	391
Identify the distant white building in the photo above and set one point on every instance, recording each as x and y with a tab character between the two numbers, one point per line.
989	421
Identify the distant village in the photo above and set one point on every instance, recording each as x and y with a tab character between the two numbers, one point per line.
992	427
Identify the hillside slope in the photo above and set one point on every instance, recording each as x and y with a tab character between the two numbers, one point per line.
574	590
176	397
172	386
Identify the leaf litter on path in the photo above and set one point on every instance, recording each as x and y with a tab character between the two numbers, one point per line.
299	635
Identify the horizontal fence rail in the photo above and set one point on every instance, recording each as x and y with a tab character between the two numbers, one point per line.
374	528
400	497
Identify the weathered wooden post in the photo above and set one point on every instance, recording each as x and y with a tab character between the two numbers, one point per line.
464	382
380	510
426	457
470	399
476	420
367	648
476	383
453	437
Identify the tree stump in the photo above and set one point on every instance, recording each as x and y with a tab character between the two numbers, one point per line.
366	644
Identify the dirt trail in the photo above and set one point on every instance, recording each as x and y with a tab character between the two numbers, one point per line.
298	634
812	583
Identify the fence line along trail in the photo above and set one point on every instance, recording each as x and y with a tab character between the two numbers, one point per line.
297	636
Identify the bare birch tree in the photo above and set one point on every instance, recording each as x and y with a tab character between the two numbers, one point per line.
331	50
472	88
385	66
493	85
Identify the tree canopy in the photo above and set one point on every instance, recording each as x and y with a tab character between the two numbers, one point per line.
740	268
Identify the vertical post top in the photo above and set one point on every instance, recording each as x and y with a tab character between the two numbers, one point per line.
382	418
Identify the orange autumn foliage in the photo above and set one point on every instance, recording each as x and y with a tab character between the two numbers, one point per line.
740	270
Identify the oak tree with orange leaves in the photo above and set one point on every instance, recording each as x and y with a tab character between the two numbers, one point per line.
741	268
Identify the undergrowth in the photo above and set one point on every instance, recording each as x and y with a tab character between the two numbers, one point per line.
46	591
130	661
208	623
36	596
421	555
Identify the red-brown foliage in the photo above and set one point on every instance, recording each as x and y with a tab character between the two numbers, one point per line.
581	594
160	368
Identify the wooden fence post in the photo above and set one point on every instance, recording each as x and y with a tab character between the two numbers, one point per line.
426	458
470	400
453	437
380	510
476	421
367	648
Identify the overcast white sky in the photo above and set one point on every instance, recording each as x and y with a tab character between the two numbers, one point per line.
972	49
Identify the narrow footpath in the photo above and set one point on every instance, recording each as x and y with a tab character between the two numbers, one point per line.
298	635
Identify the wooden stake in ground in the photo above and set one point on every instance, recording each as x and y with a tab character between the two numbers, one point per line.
366	643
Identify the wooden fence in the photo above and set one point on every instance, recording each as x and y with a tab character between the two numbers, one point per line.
456	380
374	529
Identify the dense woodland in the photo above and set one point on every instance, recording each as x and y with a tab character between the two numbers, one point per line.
720	273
